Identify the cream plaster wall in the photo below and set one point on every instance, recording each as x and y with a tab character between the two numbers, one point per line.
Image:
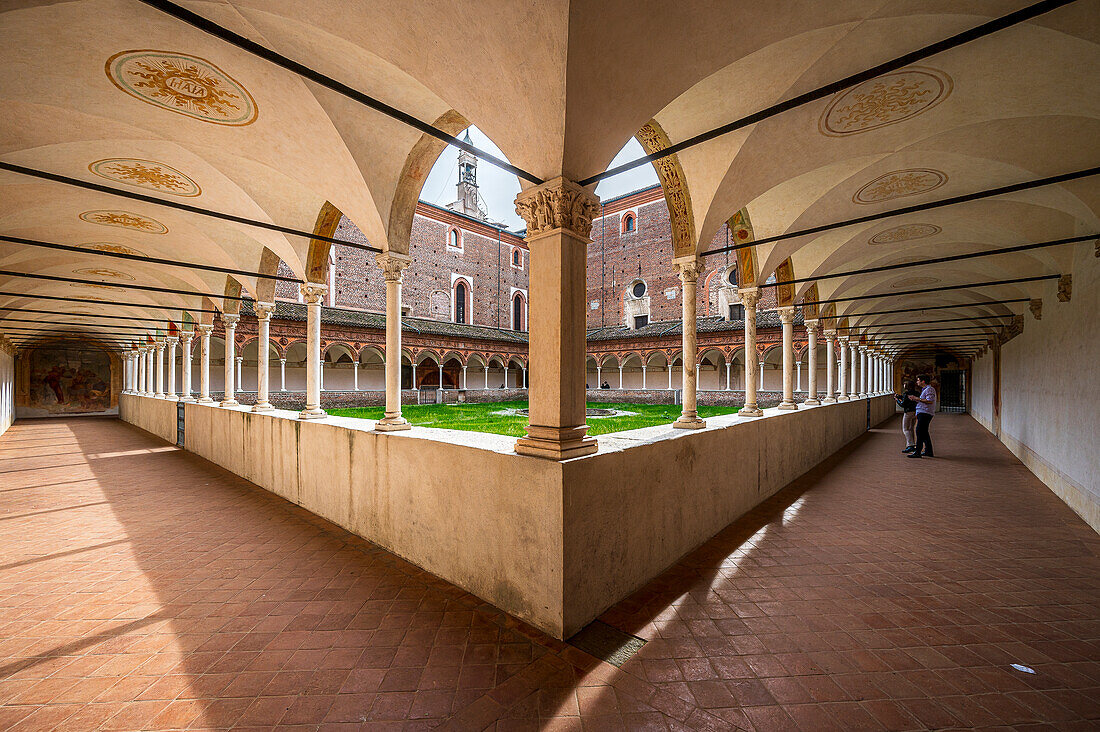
1048	374
7	390
551	543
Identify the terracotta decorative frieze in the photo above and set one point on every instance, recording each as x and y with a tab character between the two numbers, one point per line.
558	204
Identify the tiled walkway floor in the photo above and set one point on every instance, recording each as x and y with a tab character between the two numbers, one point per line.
144	588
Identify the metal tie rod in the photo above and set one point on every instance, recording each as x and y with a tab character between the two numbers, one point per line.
208	26
937	307
925	291
84	315
147	288
112	303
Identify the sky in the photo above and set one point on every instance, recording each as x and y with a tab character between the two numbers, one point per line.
499	188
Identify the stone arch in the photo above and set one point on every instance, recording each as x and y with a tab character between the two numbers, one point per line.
269	265
476	361
317	261
496	361
338	350
427	355
670	173
371	354
231	305
455	355
609	360
741	233
784	294
418	164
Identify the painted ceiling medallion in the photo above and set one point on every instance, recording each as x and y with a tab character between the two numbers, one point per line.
184	84
93	287
904	232
899	184
915	282
125	220
146	174
103	272
105	246
885	100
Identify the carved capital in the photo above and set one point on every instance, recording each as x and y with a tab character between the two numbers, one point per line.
263	310
829	334
812	325
312	292
392	264
690	268
1065	288
171	340
186	336
205	330
749	296
558	204
229	320
786	314
1036	307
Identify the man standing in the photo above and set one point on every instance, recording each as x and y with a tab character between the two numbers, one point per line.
926	407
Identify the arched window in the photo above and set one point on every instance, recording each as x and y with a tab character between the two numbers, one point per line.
628	223
454	241
517	258
517	312
460	302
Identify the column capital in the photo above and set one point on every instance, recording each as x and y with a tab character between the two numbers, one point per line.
158	342
282	360
186	335
829	334
811	325
393	264
263	310
558	204
843	340
312	292
171	340
205	329
786	314
689	267
230	320
749	296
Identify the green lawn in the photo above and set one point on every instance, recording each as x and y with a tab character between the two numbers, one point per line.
480	417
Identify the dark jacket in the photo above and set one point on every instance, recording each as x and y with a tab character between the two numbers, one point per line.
905	402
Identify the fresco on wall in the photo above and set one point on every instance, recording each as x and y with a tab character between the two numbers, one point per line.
64	381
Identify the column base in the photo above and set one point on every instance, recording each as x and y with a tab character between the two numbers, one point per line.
861	396
229	403
204	400
811	403
312	413
689	423
750	412
392	424
556	443
787	406
158	395
828	400
171	397
842	398
262	407
187	398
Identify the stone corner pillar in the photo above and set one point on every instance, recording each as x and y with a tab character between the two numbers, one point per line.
170	386
749	297
559	217
230	322
185	371
689	268
393	266
786	318
811	357
313	293
204	363
264	311
830	367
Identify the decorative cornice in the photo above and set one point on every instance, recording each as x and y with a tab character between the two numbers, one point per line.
558	204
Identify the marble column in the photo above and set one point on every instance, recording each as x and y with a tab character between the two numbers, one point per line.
464	377
486	377
559	217
264	311
204	363
853	353
689	269
830	367
127	362
798	375
158	369
230	320
727	375
863	372
842	391
282	374
620	378
811	358
749	298
313	293
150	389
525	377
786	317
185	366
170	391
644	384
355	375
239	381
393	266
669	376
440	368
599	377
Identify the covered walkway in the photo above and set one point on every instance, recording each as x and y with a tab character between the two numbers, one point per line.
141	587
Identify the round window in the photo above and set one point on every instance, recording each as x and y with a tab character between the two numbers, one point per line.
731	277
638	289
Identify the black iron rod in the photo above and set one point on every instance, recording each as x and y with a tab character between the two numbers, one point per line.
112	326
937	260
113	303
1003	190
54	177
147	288
218	31
930	289
85	315
143	258
959	39
917	322
936	307
877	333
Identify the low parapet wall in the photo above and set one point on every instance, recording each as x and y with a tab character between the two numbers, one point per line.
551	543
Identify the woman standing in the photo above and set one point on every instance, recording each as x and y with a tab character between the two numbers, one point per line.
909	414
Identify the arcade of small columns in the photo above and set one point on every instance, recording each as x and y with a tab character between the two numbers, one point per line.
559	217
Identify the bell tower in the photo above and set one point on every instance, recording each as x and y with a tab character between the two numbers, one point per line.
468	202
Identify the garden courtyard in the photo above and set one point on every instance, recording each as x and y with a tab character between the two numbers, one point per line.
506	418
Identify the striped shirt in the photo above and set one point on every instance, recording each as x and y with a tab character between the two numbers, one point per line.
929	395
